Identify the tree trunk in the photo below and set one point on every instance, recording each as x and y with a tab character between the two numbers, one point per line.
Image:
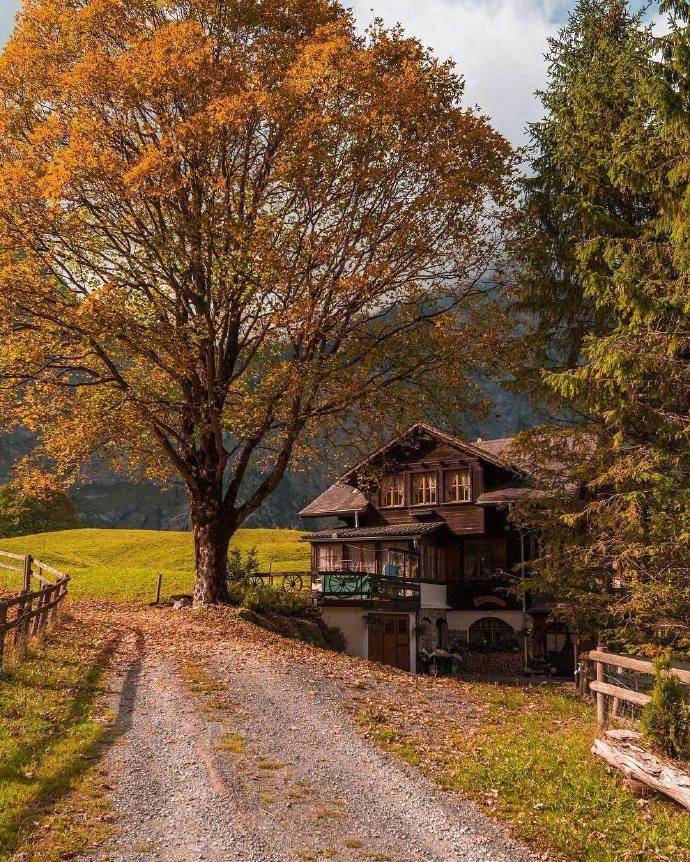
212	533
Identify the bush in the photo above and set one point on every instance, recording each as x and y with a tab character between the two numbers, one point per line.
286	614
315	633
240	568
268	600
666	718
22	514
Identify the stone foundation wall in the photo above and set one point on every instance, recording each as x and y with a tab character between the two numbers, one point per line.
428	628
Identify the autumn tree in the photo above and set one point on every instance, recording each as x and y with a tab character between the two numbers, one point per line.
228	231
605	282
23	513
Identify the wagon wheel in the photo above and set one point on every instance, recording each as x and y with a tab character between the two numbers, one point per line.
256	581
292	583
344	584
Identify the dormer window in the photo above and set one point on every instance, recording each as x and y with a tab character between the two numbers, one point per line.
424	488
393	491
458	486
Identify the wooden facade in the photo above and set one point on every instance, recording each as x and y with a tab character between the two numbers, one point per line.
444	506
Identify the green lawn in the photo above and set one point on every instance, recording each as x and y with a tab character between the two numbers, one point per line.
524	755
124	564
51	725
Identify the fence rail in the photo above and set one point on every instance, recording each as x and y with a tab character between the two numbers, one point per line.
27	614
609	695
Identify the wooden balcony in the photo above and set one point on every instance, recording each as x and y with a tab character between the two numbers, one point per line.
388	579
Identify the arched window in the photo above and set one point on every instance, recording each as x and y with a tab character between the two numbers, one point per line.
491	631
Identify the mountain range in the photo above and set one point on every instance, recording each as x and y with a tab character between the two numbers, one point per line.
109	500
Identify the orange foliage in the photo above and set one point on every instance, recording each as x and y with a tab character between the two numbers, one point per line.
226	228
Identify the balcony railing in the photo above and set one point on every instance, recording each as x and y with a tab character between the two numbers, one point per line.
365	587
344	586
385	576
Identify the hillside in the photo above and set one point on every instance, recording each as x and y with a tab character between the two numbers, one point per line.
108	500
111	500
125	563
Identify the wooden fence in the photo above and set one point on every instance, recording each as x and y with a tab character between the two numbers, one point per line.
608	694
32	610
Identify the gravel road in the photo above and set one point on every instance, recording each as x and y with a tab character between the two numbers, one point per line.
265	765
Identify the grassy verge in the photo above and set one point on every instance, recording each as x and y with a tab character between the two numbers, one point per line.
51	804
124	564
524	755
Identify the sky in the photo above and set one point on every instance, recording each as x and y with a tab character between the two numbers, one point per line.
498	46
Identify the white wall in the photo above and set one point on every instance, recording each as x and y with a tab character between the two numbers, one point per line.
350	622
434	596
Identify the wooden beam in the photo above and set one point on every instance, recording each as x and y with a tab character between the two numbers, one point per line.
640	765
604	688
640	665
12	556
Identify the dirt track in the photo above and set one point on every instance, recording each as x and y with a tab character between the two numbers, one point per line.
263	763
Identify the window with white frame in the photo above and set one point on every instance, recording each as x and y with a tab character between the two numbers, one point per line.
458	485
491	631
424	488
393	491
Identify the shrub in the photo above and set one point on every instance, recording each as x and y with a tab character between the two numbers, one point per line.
312	632
666	718
22	514
269	600
240	567
287	614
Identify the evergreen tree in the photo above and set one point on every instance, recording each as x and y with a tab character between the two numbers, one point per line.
611	261
594	65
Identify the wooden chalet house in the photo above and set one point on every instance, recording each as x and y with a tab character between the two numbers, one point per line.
426	555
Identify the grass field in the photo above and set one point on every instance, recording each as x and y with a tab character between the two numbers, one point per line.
124	564
50	729
524	755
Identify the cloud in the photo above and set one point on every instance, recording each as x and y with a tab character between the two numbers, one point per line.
498	46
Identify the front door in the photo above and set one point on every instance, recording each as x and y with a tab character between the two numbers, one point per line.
389	639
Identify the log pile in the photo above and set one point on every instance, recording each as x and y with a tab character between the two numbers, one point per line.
621	749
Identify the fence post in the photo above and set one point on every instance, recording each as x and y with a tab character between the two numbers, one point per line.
21	631
28	560
56	596
62	593
41	617
34	623
3	623
601	703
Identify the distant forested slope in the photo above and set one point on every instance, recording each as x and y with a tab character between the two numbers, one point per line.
108	500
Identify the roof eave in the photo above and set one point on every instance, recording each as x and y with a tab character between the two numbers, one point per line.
332	513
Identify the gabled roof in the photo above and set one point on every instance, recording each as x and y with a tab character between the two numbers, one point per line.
493	451
343	498
338	499
401	531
